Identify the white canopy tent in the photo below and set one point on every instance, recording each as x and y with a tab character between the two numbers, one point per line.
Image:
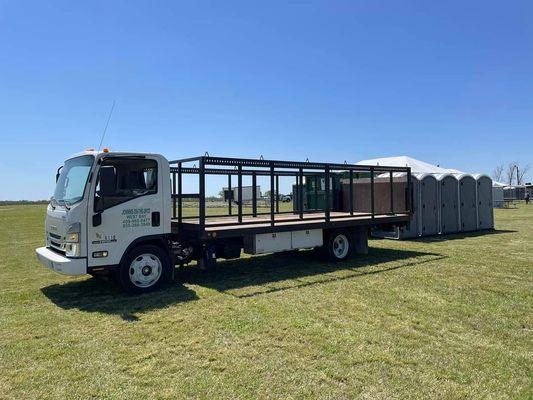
416	166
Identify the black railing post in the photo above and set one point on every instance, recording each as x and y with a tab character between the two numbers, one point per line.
239	192
351	192
201	200
254	194
174	211
301	193
180	200
409	193
296	194
272	189
391	193
372	205
326	194
230	194
317	180
277	193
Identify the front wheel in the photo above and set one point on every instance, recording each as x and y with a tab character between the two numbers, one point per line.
144	269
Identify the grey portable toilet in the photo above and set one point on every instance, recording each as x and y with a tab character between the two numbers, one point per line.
448	197
428	204
484	202
497	195
467	203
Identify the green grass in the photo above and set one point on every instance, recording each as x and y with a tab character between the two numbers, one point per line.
431	318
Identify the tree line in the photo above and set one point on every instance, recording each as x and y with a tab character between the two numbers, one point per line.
511	174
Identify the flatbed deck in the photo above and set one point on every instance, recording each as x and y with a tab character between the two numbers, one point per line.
337	210
230	226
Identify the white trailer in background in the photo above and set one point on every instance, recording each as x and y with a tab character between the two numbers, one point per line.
247	193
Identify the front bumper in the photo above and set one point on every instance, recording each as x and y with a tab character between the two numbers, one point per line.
60	263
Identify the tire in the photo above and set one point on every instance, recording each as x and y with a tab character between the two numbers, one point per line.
339	245
145	268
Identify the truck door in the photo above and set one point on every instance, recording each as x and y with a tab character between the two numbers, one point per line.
126	204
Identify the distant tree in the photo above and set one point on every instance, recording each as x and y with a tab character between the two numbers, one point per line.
522	171
509	173
498	173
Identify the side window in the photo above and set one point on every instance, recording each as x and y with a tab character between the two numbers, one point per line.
123	179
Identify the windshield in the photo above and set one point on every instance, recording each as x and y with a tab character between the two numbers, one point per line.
72	180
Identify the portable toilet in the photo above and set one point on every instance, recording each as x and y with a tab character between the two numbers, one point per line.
497	194
484	202
467	203
425	217
448	207
428	202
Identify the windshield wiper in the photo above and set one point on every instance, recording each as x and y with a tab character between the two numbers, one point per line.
63	203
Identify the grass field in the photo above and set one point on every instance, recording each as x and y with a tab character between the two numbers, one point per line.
435	318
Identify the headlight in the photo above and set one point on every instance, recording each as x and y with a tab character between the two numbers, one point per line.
72	240
73	233
73	237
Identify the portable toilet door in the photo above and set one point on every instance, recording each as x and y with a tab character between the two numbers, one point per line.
448	196
428	204
484	202
468	208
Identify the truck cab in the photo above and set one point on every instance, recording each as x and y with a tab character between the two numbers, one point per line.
106	206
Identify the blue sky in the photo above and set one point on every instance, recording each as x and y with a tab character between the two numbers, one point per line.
450	83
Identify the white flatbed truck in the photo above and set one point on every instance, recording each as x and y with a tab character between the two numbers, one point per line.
123	214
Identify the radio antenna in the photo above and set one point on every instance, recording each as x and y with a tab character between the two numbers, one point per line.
106	125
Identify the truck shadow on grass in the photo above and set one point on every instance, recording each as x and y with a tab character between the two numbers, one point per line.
98	295
259	275
241	278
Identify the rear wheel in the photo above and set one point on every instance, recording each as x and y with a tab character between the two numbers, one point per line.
144	269
339	245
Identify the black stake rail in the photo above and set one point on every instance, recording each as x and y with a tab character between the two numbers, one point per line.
272	194
174	197
391	183
180	190
208	165
239	194
254	194
250	162
351	192
372	202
